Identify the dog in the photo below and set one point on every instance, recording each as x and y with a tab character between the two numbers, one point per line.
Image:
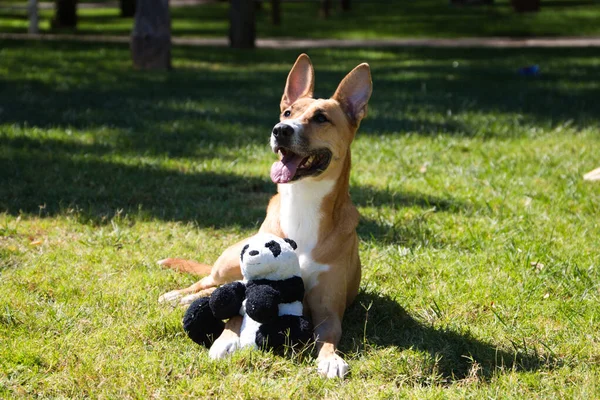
592	175
313	207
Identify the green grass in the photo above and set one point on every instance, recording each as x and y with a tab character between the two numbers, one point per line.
467	177
367	19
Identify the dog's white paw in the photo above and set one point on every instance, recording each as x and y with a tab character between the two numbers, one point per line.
223	347
189	299
333	366
171	297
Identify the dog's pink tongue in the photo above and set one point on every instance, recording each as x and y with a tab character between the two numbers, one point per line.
283	171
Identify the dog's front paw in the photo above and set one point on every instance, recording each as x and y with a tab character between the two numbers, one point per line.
332	366
190	298
171	297
223	346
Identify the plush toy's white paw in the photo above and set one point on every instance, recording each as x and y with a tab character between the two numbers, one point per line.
223	347
171	297
333	366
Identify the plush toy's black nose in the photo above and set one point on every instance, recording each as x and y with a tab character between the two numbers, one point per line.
282	130
253	253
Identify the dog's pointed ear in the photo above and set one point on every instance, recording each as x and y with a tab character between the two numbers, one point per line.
354	92
300	82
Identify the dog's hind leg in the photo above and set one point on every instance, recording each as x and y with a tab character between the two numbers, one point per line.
226	269
188	266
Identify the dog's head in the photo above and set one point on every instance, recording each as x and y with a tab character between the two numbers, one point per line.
313	136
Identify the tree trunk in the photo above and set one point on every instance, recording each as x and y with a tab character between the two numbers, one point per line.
32	10
127	8
242	31
526	5
151	36
346	5
66	14
325	10
276	12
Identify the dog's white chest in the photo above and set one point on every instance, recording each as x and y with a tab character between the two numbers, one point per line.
300	219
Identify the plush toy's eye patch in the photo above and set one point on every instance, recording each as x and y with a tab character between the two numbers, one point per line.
243	251
291	243
274	247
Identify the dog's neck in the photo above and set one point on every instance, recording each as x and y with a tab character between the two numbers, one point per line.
309	206
300	211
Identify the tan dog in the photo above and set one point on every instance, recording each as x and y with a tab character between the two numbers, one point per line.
592	175
312	206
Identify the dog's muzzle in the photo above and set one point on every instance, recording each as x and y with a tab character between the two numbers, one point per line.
282	134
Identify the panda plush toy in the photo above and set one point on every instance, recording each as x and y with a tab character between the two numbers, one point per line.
269	299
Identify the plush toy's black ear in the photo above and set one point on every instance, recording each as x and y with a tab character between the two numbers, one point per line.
274	247
243	251
291	243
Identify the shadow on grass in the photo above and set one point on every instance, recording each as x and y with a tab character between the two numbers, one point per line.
52	177
224	96
568	3
453	355
370	196
71	180
105	117
412	232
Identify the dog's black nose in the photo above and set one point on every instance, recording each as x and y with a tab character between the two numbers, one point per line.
253	253
282	130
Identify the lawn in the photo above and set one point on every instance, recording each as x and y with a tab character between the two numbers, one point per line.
367	19
478	236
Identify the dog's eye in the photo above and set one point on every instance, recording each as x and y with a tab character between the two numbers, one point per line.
320	118
287	113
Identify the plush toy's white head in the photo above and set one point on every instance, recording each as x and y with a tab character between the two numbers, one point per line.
267	256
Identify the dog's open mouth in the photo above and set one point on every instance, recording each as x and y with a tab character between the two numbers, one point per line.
294	166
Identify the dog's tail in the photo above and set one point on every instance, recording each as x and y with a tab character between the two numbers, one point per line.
189	266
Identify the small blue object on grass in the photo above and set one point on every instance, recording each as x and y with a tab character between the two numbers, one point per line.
531	70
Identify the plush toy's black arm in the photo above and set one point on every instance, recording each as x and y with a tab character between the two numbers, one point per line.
290	290
226	300
262	302
200	324
288	330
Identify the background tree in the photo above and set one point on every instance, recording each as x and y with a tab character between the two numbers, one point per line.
242	29
525	5
127	8
276	12
151	36
66	14
32	12
325	9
